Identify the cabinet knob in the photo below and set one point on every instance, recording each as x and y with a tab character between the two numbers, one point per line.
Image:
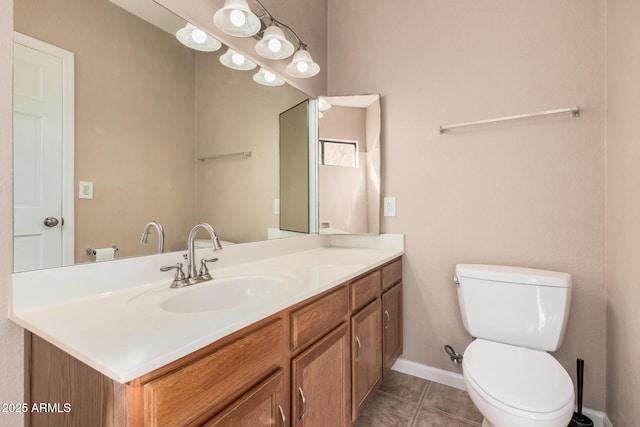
386	313
358	349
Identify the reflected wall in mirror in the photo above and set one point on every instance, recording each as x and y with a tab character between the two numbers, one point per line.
349	164
145	108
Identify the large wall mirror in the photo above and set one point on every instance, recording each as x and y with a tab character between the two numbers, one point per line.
146	108
150	130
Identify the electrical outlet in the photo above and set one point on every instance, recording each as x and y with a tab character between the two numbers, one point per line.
389	206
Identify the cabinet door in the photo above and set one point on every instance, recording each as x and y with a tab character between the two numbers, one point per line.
263	406
320	382
392	326
366	355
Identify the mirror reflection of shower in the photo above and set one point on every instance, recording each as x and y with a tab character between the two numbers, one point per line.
349	164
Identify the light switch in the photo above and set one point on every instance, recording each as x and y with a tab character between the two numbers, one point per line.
389	206
85	190
276	206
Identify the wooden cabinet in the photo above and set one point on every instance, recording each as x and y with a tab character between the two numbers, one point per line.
320	382
376	330
391	326
263	406
366	355
313	364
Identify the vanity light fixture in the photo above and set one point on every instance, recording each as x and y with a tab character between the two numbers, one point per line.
302	66
236	19
195	38
236	61
274	44
267	78
323	104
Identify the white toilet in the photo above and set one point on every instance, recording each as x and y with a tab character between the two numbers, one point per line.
516	315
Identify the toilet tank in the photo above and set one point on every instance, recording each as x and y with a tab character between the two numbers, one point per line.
514	305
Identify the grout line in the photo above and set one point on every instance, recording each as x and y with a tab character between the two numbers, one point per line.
415	414
444	412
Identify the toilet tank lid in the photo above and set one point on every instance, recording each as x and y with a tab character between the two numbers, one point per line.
520	275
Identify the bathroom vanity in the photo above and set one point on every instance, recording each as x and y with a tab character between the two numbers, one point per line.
308	353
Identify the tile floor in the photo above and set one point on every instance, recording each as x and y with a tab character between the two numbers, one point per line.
407	401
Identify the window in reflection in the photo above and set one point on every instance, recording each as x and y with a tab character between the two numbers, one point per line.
339	153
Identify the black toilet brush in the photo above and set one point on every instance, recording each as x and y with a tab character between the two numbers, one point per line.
578	419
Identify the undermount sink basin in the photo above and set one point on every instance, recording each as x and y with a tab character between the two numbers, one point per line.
226	293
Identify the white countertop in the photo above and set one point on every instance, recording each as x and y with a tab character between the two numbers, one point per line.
120	328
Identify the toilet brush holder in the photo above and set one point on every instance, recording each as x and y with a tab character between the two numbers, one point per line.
579	419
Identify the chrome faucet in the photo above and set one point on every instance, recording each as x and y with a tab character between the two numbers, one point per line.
144	239
194	276
192	272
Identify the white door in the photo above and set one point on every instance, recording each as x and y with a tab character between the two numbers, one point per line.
43	131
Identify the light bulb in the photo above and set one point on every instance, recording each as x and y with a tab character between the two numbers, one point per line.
237	18
237	59
302	66
275	45
198	36
269	77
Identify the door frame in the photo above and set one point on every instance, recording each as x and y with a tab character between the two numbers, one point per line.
68	138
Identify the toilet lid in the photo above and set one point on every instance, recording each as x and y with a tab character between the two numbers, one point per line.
524	379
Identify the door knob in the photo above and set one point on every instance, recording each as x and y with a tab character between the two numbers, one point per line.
50	221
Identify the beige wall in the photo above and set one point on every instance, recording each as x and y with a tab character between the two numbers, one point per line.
235	194
623	212
11	336
134	122
527	193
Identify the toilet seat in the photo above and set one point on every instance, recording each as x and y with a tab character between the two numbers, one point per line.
524	382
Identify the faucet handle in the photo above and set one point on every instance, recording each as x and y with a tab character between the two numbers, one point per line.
179	280
204	271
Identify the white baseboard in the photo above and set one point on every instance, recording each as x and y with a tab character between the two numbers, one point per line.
451	379
454	379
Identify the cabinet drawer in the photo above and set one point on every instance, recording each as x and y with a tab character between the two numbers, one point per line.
208	383
263	406
365	289
319	317
391	274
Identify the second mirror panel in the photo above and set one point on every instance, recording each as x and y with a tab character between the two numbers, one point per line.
349	164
